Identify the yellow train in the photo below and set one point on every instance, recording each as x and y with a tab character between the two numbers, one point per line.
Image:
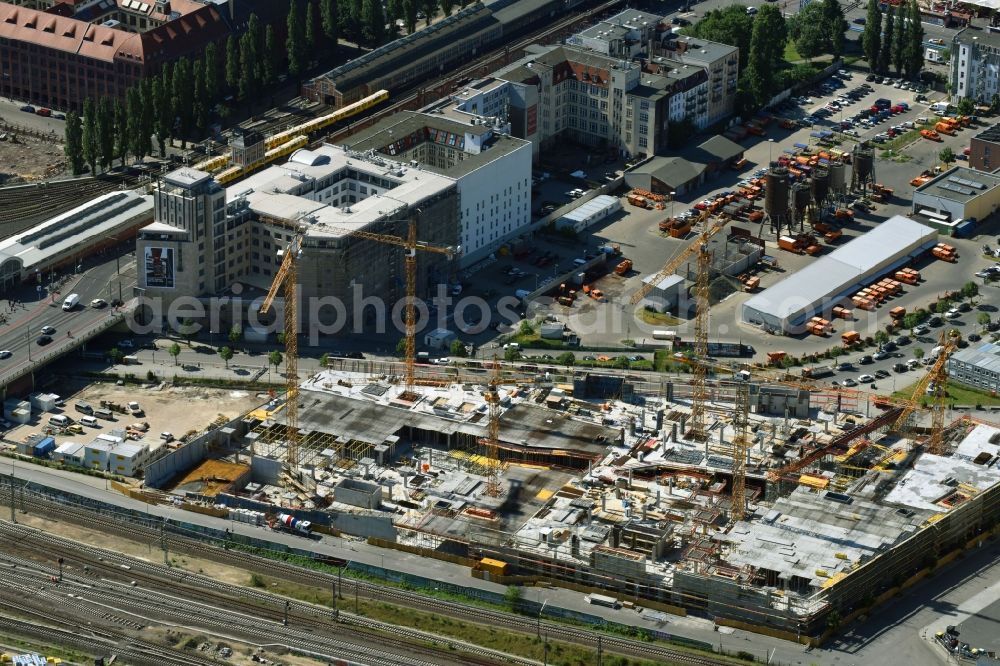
212	163
325	121
234	172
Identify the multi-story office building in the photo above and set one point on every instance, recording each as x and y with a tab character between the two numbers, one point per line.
490	168
206	240
720	61
975	65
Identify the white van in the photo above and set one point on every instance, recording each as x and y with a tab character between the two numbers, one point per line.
939	107
89	421
71	302
60	420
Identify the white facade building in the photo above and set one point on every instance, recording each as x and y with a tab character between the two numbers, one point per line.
975	65
490	168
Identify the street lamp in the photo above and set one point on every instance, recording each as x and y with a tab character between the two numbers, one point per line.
672	196
770	143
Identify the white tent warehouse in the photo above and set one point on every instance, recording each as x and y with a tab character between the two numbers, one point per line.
815	289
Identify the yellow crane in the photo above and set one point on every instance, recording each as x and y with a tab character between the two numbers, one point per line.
286	279
702	305
741	445
492	442
937	376
411	246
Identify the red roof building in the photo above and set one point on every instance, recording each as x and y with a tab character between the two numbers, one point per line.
60	57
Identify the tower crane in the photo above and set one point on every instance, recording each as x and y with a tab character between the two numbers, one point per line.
492	441
741	444
286	278
704	260
411	246
937	376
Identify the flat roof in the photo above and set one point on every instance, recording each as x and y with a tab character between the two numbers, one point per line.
960	184
985	356
274	191
843	268
595	205
699	49
991	133
95	220
387	132
186	177
972	37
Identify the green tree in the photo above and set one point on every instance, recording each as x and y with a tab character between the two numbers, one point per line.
918	353
881	337
213	76
947	156
730	25
202	110
808	30
871	38
121	131
247	87
295	41
164	124
447	6
622	362
835	26
914	51
401	347
175	351
970	290
983	318
225	353
410	15
942	306
899	40
566	358
430	9
184	97
133	104
324	360
270	59
372	22
148	115
511	354
275	358
309	34
833	620
512	597
232	63
525	328
106	131
235	334
91	139
885	54
458	349
188	329
348	17
767	43
966	106
115	355
328	21
394	11
73	145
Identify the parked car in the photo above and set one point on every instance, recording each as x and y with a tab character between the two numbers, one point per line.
27	108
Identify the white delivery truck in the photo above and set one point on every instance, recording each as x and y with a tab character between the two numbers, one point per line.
71	302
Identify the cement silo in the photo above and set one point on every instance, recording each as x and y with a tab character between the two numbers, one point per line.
801	198
863	173
838	178
820	186
776	207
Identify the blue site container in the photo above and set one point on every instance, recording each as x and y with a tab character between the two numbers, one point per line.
44	447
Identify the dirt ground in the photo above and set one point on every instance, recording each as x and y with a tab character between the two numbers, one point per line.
177	410
25	158
175	638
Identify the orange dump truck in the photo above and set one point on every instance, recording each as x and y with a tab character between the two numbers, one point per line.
639	202
850	338
945	252
775	357
623	267
897	312
841	312
944	128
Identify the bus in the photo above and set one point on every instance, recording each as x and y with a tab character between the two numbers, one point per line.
602	600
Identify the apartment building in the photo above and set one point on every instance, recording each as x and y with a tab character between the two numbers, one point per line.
984	149
975	65
977	366
720	61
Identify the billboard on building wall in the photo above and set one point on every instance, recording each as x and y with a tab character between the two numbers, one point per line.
532	120
158	265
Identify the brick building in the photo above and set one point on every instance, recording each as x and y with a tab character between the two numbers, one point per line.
57	53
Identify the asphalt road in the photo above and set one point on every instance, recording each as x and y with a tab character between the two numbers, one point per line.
20	333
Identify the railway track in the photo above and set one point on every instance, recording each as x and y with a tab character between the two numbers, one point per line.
260	615
23	206
374	591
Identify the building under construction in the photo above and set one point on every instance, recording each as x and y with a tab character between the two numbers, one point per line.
835	505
